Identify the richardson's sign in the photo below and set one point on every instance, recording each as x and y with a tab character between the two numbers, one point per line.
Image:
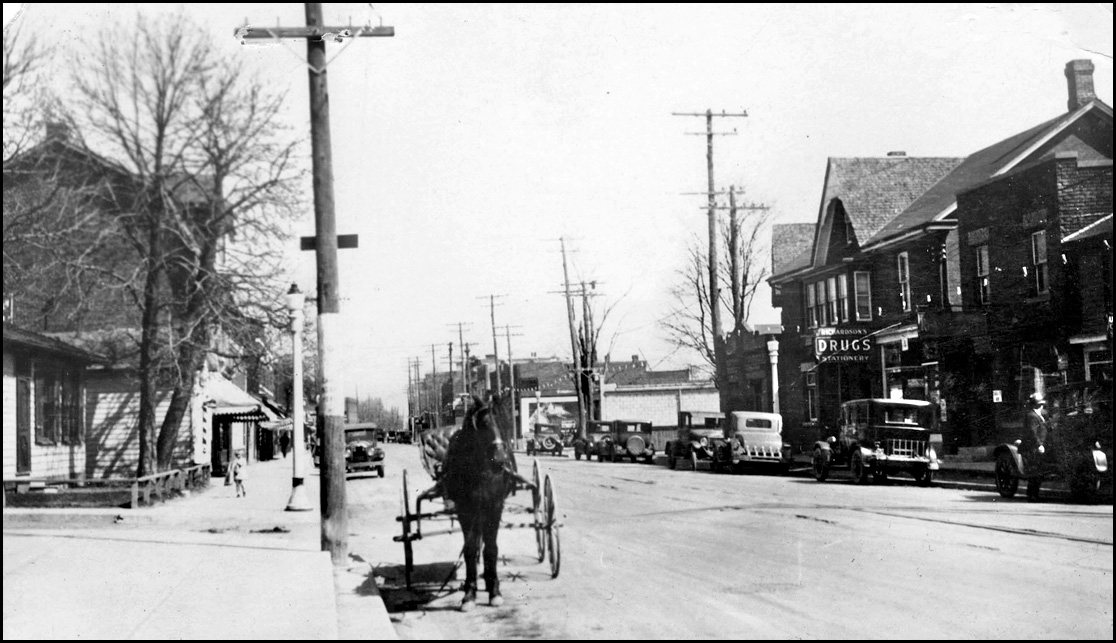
842	345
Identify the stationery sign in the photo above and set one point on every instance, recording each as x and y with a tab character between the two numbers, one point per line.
842	344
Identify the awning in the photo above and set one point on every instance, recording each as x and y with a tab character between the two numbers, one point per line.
227	398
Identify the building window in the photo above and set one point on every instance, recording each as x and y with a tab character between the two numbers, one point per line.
811	313
863	285
843	296
831	288
904	282
823	304
811	396
57	406
984	288
1038	260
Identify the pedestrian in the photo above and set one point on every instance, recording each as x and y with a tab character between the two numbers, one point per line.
284	443
238	473
1033	444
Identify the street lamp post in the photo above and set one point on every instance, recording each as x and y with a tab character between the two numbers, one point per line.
298	501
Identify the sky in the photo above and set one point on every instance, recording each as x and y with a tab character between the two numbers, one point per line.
466	146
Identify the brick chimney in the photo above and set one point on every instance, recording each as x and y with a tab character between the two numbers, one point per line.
1079	77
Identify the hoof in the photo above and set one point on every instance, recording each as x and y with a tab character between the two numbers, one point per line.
496	601
467	606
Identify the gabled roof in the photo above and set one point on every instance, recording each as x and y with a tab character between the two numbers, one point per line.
940	200
788	241
875	190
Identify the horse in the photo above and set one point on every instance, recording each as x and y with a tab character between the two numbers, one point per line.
479	473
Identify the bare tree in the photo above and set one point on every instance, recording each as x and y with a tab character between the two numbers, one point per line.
741	270
210	184
24	101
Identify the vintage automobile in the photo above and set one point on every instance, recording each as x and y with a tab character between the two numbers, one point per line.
753	439
878	437
1078	443
361	450
547	438
615	439
700	437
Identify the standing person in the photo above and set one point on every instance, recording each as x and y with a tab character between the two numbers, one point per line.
285	443
238	473
1033	444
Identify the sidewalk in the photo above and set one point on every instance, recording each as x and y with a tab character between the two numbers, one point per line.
208	566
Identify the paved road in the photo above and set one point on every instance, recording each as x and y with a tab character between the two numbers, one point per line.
652	553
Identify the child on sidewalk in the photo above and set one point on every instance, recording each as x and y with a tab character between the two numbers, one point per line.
238	472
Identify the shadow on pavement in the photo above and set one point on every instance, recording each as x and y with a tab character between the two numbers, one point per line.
429	582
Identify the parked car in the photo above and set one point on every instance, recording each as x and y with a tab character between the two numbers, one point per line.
598	438
752	438
362	452
876	438
1078	443
700	437
546	439
615	439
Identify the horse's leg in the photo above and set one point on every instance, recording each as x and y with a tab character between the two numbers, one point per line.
492	554
470	526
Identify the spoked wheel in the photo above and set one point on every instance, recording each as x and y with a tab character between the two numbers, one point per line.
536	498
551	515
1006	481
408	550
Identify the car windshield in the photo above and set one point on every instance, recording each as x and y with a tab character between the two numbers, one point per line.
901	415
360	435
758	423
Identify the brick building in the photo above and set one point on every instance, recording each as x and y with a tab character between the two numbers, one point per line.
887	299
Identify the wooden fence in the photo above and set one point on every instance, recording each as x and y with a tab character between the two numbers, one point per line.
164	483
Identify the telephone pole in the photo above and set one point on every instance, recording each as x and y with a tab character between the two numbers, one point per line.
714	285
437	390
464	355
573	346
495	346
514	392
331	411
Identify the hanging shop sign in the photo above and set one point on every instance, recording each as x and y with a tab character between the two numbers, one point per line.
842	344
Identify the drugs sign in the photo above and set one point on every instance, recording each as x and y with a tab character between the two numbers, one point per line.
842	345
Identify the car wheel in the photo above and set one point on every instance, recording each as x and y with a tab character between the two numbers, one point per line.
672	461
1085	484
924	477
693	460
577	454
1006	481
548	444
380	471
821	464
858	467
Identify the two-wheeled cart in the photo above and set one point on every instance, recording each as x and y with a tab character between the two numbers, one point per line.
542	513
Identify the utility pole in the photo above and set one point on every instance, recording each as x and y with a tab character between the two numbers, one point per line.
464	366
437	390
589	354
451	377
331	411
495	346
714	285
573	346
512	384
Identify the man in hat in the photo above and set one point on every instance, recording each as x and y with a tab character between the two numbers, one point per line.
1032	446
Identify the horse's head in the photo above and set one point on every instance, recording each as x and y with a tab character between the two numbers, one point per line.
481	421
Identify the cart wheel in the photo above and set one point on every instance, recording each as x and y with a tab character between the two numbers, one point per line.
553	544
536	497
408	550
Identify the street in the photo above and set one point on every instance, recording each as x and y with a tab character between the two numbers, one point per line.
649	553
